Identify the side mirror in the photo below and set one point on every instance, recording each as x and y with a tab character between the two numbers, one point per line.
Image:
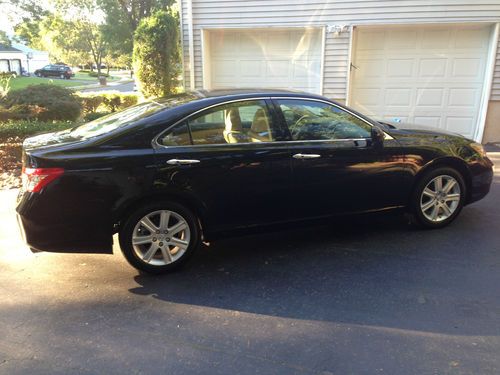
377	137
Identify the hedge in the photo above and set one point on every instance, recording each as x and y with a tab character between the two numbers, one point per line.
109	102
26	128
42	102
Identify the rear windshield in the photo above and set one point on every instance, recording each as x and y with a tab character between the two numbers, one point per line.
121	119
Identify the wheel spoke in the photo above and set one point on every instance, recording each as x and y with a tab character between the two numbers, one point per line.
180	226
164	219
435	212
427	205
438	183
141	240
452	197
148	224
429	192
166	255
179	243
446	209
148	255
449	185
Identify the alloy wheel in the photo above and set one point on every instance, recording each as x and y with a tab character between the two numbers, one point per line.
161	237
440	198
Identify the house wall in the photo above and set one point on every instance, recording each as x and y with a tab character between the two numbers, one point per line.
208	14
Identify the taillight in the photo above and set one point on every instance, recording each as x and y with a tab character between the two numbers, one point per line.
35	179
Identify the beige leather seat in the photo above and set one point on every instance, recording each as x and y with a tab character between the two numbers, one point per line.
234	129
260	131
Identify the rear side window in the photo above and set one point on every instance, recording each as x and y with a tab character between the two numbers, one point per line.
312	120
178	136
238	122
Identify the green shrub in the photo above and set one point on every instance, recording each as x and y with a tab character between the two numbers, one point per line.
94	116
27	128
157	54
44	102
8	74
109	102
90	102
95	74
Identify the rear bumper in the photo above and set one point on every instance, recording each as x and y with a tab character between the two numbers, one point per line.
45	238
42	229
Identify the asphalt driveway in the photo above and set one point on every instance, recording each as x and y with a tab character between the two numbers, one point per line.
371	296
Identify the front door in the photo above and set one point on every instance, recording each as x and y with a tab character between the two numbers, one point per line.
226	158
336	168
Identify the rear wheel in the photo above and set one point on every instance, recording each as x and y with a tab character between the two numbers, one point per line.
438	198
62	76
159	238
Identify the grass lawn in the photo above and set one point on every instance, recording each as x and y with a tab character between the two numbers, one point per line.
22	82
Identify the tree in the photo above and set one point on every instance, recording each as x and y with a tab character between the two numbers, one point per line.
4	39
157	54
136	10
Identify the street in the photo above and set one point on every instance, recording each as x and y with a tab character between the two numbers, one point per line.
356	296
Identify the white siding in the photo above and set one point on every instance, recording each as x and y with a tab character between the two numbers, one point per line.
293	13
495	88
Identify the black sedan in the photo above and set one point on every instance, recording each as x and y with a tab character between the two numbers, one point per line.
167	173
61	71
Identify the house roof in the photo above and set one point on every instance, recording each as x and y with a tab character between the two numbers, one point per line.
4	48
27	49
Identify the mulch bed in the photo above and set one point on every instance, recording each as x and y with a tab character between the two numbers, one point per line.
10	163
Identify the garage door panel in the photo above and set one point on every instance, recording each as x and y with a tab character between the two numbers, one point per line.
435	39
401	39
463	125
467	67
434	121
400	68
466	97
435	68
251	68
437	82
430	97
398	97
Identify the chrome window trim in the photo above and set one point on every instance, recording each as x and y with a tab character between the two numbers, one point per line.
155	139
156	144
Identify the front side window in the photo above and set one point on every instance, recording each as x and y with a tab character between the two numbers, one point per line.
238	122
311	120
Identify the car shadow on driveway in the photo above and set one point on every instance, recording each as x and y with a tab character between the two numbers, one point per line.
376	271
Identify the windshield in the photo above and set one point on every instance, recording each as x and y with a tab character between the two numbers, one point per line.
120	119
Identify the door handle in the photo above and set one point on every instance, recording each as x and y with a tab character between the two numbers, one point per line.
306	156
182	161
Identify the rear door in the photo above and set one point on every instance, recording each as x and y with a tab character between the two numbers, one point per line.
227	158
335	166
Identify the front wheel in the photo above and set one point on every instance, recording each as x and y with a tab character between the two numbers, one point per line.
159	238
438	198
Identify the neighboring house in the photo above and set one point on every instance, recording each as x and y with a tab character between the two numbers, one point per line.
33	59
433	62
10	59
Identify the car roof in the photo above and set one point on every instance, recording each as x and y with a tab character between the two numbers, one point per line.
198	98
237	92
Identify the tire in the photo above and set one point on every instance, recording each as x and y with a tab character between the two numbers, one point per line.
62	76
428	200
159	249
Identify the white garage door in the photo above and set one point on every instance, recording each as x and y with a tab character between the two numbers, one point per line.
273	59
428	75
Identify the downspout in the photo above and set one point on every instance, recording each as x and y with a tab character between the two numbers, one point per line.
191	43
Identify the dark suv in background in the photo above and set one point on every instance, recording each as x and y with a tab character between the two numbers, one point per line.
61	71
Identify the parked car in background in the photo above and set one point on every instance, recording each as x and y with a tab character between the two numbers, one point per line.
54	70
167	173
